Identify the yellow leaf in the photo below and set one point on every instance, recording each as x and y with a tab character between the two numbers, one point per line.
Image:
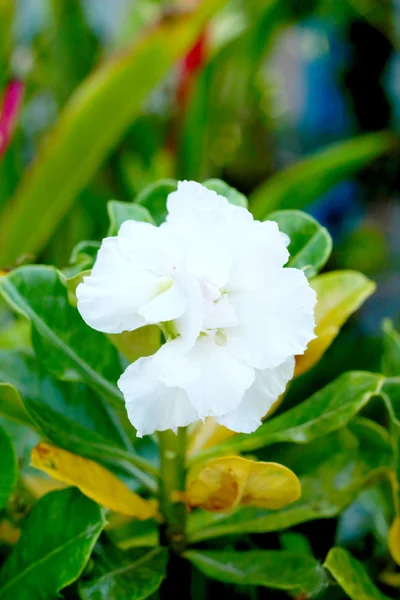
225	483
92	479
394	540
135	344
339	295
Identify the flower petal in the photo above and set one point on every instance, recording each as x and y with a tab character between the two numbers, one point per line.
267	387
276	323
151	405
110	297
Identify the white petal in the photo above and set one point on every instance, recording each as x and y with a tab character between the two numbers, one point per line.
222	379
110	297
190	323
276	323
167	306
151	405
267	387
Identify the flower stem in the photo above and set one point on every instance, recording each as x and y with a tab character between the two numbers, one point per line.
172	481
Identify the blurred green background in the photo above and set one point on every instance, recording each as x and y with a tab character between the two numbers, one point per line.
293	102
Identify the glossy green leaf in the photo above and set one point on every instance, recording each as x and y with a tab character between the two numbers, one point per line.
327	410
131	575
154	198
310	243
92	122
72	416
391	352
8	470
54	547
63	343
332	471
352	576
295	573
223	189
299	184
11	404
124	211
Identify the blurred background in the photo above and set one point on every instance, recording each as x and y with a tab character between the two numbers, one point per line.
294	102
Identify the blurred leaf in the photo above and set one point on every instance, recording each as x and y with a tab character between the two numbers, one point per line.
339	295
8	471
310	243
351	576
144	341
394	540
54	547
92	479
132	575
91	124
332	471
132	533
297	574
82	257
327	410
12	406
225	483
391	353
295	542
154	198
58	330
223	189
124	211
298	185
391	396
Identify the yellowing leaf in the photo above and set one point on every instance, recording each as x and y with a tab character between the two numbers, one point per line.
92	479
339	295
394	540
225	483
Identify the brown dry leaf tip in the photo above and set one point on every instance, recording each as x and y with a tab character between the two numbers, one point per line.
227	482
92	479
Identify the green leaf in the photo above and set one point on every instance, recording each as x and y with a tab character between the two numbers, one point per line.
8	471
327	410
301	183
54	547
391	353
124	211
72	416
132	575
352	576
295	573
154	198
63	343
332	472
11	404
95	118
223	189
391	396
310	244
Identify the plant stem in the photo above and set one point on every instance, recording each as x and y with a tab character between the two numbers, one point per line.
172	481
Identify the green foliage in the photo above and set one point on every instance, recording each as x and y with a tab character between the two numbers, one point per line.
8	473
135	574
54	547
295	573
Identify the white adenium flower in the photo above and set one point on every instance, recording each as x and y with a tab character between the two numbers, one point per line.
235	318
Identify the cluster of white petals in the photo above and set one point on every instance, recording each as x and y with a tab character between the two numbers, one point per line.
235	317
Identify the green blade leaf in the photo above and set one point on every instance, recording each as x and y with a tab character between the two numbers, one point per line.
301	183
54	547
352	576
124	211
72	416
58	330
391	354
223	189
327	410
295	573
132	575
11	404
332	472
8	471
93	121
310	244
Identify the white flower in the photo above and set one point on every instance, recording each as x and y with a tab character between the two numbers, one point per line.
235	317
